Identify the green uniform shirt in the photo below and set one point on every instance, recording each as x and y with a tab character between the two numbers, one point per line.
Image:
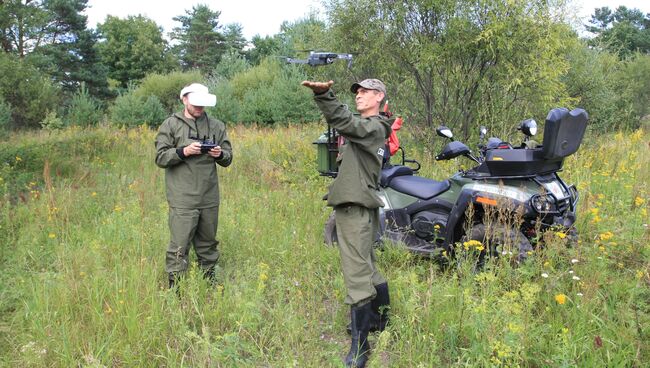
360	157
191	182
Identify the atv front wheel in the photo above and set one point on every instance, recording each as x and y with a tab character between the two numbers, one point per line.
500	241
329	234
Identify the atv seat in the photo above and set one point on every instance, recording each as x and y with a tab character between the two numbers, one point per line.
389	173
418	186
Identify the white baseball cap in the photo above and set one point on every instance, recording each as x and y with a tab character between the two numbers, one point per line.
198	95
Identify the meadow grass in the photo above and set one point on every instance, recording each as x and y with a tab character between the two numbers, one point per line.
83	223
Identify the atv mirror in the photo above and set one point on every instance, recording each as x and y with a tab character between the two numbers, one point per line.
444	132
528	127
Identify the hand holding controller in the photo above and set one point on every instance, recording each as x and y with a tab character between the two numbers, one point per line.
208	146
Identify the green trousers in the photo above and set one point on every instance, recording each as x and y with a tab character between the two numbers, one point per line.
192	226
356	229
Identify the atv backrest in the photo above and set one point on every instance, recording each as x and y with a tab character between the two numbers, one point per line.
563	132
387	174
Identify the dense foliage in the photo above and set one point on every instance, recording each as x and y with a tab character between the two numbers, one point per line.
624	31
463	64
201	43
27	91
133	47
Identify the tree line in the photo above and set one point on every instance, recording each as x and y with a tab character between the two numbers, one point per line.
460	63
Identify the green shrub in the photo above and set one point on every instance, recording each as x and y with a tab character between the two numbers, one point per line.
228	108
293	102
166	88
615	93
5	115
131	110
257	106
52	121
636	84
230	65
258	77
30	93
271	93
83	109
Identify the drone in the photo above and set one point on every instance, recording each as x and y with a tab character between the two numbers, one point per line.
321	58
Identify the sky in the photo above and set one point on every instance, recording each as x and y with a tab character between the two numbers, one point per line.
261	17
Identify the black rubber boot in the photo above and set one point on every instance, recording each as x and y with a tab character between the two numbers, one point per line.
379	310
360	347
172	280
380	306
210	275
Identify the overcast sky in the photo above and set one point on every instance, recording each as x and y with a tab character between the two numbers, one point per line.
262	17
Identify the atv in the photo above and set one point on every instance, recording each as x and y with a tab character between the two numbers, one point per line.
505	202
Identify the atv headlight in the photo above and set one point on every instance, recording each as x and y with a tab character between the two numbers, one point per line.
543	203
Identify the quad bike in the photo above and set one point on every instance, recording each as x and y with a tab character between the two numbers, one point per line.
506	202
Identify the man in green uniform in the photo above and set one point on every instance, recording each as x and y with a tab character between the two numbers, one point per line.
353	194
191	180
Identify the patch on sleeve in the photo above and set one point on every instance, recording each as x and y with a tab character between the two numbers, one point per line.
380	152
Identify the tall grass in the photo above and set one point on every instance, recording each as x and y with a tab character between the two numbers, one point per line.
83	222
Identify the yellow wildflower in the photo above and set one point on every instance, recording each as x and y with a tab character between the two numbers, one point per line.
560	298
606	235
515	327
638	201
560	235
473	243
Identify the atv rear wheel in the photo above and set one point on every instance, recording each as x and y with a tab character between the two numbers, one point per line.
329	234
500	241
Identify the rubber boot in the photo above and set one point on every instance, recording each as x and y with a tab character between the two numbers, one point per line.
379	310
210	275
380	307
172	280
360	347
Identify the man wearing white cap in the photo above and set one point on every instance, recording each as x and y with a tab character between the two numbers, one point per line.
189	145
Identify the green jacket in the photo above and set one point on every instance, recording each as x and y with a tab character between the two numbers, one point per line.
191	182
360	157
